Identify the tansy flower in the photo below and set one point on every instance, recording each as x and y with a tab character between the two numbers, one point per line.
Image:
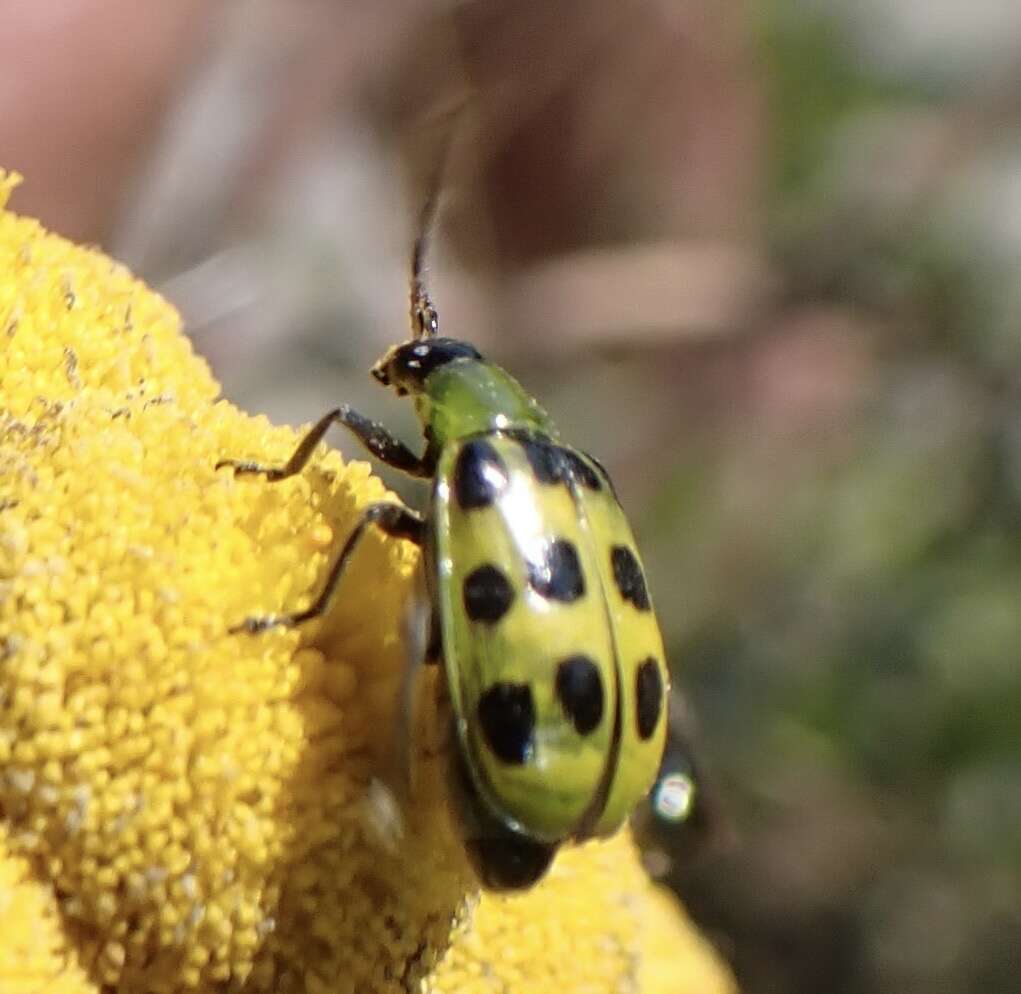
182	808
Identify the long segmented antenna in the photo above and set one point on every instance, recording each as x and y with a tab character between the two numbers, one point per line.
425	320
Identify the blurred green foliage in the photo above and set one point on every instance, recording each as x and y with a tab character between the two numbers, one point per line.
851	585
813	85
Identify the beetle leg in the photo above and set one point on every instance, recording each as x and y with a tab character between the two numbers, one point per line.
378	440
434	647
299	457
372	435
392	519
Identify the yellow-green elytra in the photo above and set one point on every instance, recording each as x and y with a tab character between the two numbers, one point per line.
554	660
539	609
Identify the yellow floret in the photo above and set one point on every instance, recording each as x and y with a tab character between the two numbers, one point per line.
183	809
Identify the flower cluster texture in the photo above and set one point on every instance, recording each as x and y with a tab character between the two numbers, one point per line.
183	808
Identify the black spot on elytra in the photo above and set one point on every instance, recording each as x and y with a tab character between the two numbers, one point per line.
558	576
506	713
628	576
543	456
480	475
648	697
580	692
602	469
581	470
487	593
552	463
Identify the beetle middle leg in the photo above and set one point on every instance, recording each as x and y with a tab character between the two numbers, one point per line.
392	519
372	435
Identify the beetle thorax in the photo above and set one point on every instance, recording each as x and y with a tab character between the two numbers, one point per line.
469	397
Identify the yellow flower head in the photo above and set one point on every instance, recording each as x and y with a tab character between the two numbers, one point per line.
186	809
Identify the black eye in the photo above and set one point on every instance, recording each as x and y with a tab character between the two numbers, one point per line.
415	361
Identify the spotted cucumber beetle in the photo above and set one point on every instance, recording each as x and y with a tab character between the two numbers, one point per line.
537	601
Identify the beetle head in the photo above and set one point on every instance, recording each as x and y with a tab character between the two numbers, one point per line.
405	367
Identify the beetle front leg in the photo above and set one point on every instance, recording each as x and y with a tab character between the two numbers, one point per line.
372	435
299	457
392	519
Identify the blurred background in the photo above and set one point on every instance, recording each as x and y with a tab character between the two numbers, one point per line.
762	258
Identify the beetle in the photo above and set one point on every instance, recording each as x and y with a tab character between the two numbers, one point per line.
537	603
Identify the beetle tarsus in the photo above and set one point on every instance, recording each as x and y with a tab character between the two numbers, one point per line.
255	625
392	519
244	468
